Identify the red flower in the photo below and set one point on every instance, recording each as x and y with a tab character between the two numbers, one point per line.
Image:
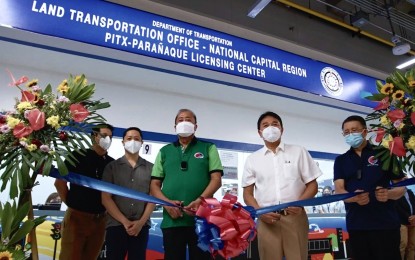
78	112
379	135
40	103
383	104
36	119
413	118
396	147
20	130
27	96
63	136
36	142
396	114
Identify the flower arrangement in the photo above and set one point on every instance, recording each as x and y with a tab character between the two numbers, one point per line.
45	128
394	118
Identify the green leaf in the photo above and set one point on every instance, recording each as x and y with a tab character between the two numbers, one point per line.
25	174
22	232
63	170
48	89
376	97
47	166
39	220
386	164
379	85
20	215
14	187
6	221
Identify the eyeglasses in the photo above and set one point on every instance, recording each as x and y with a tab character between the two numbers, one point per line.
352	131
183	166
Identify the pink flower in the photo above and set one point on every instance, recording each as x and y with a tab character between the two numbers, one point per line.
396	147
27	96
20	130
413	118
36	88
396	114
36	119
63	99
4	129
16	82
44	148
383	104
78	112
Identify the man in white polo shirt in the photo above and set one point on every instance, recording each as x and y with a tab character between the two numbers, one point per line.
280	173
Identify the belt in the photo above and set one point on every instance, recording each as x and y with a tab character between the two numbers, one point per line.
86	214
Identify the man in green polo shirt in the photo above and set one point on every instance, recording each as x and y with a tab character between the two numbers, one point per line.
183	172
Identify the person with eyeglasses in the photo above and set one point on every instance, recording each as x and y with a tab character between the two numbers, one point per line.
129	221
280	173
371	218
83	227
183	172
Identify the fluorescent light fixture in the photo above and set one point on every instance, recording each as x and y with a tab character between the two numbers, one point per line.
257	7
406	64
5	25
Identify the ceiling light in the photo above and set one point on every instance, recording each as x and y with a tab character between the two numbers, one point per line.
257	7
406	64
400	48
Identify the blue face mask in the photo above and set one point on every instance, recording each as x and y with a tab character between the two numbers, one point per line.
354	139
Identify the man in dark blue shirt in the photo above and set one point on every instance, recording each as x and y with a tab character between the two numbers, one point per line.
371	219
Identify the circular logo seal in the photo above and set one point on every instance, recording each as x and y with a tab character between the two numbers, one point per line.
331	81
199	155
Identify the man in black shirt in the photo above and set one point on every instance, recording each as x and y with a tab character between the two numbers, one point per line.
83	227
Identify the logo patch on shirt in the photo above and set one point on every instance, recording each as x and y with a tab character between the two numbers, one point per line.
372	161
199	155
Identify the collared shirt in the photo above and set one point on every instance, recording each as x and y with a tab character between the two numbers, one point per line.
279	177
121	173
365	173
185	183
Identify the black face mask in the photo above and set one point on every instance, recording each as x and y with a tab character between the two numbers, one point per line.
326	194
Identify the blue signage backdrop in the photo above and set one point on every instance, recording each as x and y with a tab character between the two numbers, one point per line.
114	26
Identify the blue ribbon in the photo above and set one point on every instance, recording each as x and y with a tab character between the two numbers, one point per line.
107	187
323	200
122	191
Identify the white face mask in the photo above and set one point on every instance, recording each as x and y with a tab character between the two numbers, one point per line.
105	143
271	134
185	128
132	146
